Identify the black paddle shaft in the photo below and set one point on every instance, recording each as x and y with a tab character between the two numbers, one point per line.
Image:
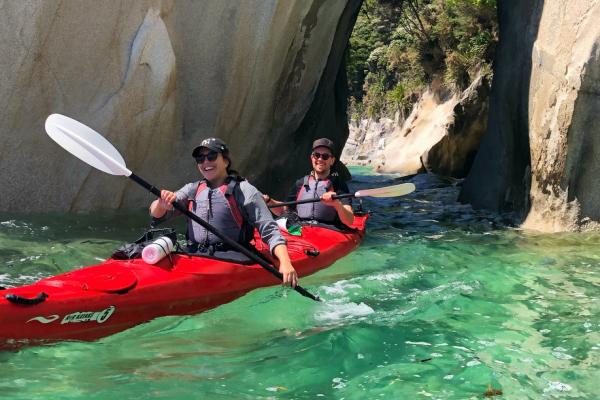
223	237
292	203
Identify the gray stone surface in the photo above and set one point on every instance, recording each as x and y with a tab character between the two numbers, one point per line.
441	134
500	174
541	150
155	77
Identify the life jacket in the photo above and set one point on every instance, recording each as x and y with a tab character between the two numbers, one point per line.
313	188
219	208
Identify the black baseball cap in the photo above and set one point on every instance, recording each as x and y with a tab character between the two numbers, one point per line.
214	144
323	142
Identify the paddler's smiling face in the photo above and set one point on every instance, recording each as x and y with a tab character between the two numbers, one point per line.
212	165
317	157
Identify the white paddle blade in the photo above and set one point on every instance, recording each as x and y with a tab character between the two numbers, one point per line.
388	191
86	144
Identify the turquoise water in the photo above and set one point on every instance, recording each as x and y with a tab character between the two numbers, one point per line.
439	302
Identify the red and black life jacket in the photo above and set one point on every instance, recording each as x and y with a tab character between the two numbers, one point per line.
314	188
219	208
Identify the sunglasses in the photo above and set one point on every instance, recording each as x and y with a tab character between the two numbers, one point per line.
324	156
212	156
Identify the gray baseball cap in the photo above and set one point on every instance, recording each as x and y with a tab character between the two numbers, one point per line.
323	142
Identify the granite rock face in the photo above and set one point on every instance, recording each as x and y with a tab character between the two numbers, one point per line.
541	150
367	138
441	134
155	77
453	155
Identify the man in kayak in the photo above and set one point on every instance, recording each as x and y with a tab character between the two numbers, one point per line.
229	203
321	183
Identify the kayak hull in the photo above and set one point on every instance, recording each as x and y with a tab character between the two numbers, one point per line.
100	300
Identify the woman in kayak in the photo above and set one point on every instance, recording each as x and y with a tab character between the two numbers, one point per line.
229	203
321	183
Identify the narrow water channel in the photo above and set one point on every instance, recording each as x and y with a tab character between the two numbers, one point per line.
439	302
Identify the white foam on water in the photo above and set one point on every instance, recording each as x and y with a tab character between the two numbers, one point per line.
11	281
275	388
338	383
557	386
5	281
404	312
462	348
335	311
473	363
340	288
29	258
561	356
462	286
388	277
418	343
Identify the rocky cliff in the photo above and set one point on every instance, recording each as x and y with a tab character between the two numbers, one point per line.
155	77
441	134
539	156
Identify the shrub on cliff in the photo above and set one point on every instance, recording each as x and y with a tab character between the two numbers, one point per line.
400	46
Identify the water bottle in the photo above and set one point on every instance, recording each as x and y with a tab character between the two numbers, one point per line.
157	250
282	223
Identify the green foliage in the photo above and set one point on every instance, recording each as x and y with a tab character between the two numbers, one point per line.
399	46
397	96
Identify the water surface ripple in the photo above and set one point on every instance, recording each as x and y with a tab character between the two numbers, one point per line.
440	302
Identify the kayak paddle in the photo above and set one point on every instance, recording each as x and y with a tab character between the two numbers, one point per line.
388	191
92	148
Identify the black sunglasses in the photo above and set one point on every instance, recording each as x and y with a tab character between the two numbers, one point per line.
323	156
211	156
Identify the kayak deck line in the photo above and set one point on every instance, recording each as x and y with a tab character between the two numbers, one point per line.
103	299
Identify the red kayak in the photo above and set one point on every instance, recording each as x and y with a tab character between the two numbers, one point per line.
103	299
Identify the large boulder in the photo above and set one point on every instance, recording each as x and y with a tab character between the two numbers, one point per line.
453	155
539	156
155	77
425	126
